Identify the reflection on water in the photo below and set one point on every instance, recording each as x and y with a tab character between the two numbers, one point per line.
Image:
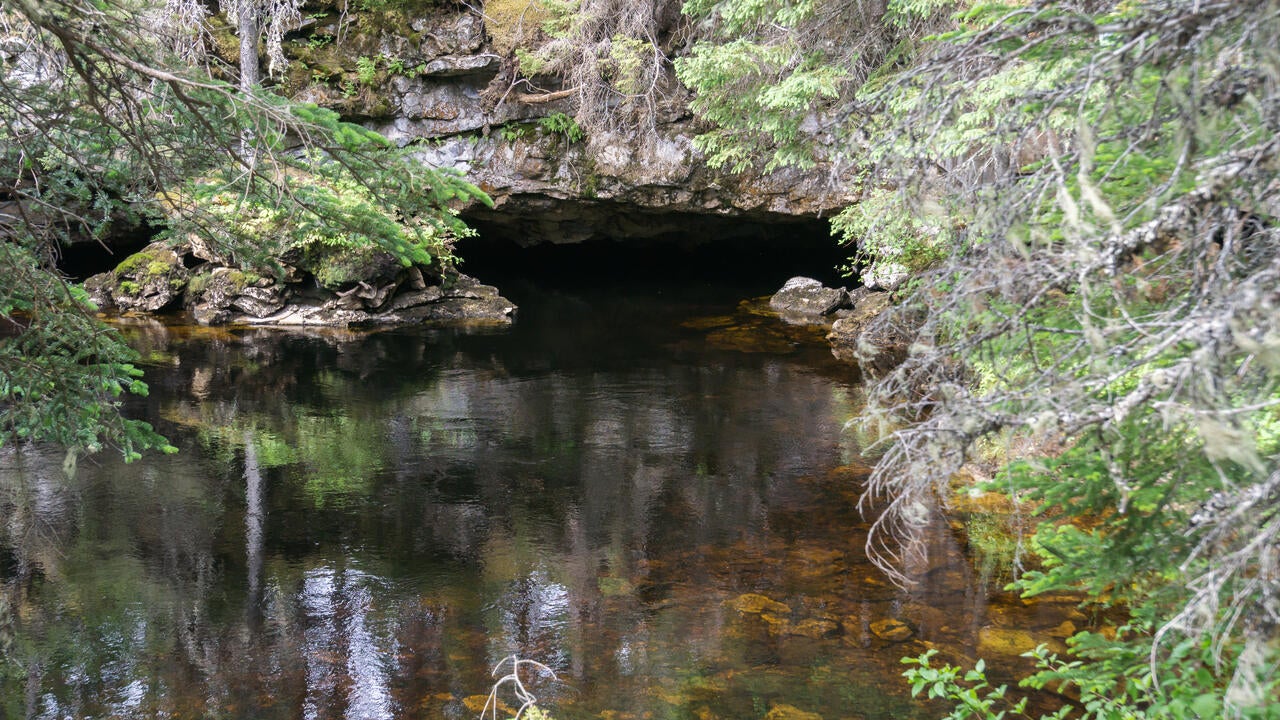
360	526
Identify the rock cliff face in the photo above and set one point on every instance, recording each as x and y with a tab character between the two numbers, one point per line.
546	189
433	76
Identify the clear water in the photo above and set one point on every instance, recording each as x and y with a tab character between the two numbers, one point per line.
650	491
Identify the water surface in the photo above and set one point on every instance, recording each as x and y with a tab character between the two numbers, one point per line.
650	491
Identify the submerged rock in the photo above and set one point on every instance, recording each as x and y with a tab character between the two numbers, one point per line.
1064	630
805	301
753	604
815	628
790	712
994	642
891	630
776	624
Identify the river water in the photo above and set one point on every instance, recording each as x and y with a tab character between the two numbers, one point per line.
651	491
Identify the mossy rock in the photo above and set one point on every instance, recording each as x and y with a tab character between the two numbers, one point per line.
148	280
221	281
214	295
155	259
339	267
330	60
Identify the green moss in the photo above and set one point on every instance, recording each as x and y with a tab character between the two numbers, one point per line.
313	58
128	287
512	23
298	76
392	6
145	265
338	267
241	279
131	264
197	284
225	41
589	186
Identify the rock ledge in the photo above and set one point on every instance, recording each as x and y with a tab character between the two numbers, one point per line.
159	277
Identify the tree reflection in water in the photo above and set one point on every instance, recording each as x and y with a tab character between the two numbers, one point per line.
360	526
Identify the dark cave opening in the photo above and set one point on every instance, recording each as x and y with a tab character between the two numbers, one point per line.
758	255
86	258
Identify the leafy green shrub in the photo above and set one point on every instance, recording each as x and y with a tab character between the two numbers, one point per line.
530	63
366	69
1110	681
882	227
512	131
559	123
627	58
974	696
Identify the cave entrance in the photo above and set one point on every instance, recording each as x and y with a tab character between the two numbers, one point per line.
652	248
86	257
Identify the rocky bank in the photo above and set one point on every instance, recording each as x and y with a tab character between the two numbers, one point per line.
164	277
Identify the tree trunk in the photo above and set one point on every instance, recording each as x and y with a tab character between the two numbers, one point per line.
248	27
248	15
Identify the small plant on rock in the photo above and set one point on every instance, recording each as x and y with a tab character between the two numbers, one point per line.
561	124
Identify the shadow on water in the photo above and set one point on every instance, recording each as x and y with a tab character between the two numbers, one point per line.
361	525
